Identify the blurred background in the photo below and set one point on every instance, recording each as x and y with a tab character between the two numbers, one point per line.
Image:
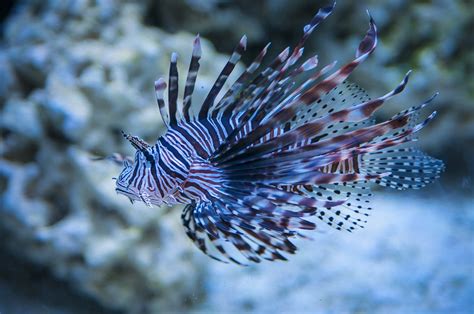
73	73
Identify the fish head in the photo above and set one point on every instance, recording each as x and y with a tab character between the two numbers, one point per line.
138	179
128	182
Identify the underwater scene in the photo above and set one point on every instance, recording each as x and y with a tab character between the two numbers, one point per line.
219	156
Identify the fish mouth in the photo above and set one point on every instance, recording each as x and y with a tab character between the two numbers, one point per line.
132	197
126	193
144	197
119	190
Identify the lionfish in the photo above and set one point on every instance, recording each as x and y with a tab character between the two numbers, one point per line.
253	164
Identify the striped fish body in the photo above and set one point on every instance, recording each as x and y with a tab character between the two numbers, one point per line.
254	165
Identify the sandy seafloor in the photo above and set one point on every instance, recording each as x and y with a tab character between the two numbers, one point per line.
414	256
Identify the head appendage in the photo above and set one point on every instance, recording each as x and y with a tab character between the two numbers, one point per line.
136	142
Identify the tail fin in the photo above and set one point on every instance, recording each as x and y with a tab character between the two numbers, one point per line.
409	168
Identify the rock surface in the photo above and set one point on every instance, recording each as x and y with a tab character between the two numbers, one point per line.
76	74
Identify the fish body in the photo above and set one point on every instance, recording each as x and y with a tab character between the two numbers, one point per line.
253	165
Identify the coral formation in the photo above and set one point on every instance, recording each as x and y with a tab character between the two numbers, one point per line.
70	81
